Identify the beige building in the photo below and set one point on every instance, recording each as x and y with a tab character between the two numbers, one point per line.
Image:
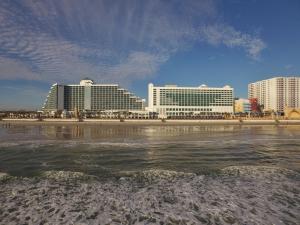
277	93
242	106
291	113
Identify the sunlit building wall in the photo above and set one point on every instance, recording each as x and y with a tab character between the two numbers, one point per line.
171	100
277	93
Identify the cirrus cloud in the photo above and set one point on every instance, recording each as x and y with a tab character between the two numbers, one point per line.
111	41
224	34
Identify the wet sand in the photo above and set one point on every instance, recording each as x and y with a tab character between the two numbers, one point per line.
235	195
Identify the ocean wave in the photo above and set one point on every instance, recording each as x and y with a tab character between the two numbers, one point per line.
65	175
40	144
235	171
154	175
29	143
4	176
258	171
155	197
133	144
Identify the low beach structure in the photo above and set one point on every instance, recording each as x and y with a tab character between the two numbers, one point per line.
292	113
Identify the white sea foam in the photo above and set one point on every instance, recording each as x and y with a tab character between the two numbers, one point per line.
250	196
65	175
3	176
33	144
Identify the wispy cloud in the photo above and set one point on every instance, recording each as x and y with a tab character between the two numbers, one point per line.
224	34
118	41
10	68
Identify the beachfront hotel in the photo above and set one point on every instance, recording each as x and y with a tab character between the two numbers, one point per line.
277	93
91	97
171	100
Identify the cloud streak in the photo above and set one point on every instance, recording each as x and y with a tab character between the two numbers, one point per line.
227	35
111	41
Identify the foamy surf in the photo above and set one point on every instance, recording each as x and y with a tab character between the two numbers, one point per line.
235	195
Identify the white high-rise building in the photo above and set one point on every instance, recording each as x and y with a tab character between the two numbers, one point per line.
276	93
171	100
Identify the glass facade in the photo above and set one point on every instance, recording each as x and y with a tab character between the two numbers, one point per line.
90	97
73	97
171	100
194	97
112	97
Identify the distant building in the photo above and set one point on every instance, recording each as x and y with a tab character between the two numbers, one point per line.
171	100
277	93
292	113
255	108
91	97
242	106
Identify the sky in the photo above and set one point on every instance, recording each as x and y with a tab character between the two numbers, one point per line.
135	42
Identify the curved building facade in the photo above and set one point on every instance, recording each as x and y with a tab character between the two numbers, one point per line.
88	96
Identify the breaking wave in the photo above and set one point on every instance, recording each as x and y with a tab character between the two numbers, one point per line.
235	195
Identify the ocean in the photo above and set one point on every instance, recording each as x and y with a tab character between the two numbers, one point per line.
143	174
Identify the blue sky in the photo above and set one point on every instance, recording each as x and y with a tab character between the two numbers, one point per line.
133	43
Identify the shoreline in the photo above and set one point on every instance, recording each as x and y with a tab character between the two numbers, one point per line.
148	122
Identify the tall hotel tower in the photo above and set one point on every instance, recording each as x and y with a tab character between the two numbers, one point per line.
171	100
276	93
91	97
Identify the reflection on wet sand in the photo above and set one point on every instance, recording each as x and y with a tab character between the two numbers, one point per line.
71	131
162	132
98	149
95	132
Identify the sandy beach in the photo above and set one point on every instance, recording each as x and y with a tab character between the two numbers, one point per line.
150	122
